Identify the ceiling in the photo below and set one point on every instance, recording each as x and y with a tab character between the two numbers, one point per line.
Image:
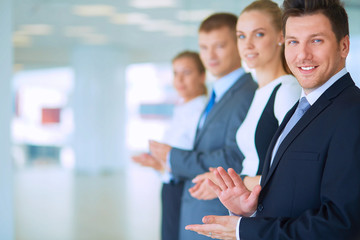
46	32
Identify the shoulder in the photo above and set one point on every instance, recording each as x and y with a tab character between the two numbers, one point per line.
289	88
245	87
286	97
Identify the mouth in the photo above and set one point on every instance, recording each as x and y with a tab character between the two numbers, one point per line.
251	55
213	64
307	69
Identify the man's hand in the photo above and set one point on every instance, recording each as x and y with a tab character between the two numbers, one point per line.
233	194
147	160
202	190
219	227
159	150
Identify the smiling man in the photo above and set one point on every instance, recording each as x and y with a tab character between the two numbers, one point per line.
310	188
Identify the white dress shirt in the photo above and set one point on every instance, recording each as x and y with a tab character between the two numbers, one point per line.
182	129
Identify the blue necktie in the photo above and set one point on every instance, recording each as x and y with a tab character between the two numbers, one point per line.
210	104
207	109
302	107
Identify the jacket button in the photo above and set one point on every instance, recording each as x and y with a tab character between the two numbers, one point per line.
260	207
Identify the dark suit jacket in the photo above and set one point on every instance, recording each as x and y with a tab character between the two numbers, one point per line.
312	189
215	145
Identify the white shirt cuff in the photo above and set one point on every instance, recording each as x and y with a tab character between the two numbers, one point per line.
167	176
238	223
238	230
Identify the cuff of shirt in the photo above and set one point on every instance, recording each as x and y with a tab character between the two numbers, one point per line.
238	229
237	226
167	176
238	223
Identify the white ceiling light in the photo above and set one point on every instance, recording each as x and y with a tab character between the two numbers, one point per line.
129	18
152	3
20	40
182	31
78	31
157	25
35	29
194	15
93	10
95	39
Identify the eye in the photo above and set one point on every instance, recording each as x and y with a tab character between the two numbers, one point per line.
292	42
241	36
203	48
317	41
187	72
259	34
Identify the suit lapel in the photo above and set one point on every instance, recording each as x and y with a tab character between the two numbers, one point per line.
213	114
320	105
273	142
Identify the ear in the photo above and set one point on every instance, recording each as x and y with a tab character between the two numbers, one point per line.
203	77
281	38
344	46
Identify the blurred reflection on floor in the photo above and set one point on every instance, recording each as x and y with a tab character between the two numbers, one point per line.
54	204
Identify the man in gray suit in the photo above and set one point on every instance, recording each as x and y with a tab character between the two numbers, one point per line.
215	143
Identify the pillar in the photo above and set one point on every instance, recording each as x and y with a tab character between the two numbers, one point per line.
99	109
6	171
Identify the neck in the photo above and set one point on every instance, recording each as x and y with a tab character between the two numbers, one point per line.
230	71
269	72
188	99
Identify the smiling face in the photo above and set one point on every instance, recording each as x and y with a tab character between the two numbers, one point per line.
218	51
258	40
312	51
188	80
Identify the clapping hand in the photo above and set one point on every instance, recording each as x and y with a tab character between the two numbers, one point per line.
202	190
219	227
233	193
147	160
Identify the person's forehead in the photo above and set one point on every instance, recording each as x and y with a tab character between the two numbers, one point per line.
218	34
307	24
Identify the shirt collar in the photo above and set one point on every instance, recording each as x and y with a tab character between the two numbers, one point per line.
223	84
315	94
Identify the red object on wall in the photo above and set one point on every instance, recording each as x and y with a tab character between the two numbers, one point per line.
50	115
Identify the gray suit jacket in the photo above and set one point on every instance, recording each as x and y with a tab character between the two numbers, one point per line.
215	145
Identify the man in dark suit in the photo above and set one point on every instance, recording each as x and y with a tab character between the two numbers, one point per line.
310	188
215	143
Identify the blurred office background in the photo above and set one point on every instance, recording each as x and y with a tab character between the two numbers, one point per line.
84	84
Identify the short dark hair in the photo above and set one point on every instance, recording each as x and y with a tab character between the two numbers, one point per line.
219	20
194	56
333	9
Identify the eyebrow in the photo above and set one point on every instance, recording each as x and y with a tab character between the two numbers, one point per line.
255	30
319	34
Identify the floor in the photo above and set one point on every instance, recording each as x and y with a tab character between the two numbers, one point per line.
52	203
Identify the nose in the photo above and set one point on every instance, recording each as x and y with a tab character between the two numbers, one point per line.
178	78
249	42
304	52
212	53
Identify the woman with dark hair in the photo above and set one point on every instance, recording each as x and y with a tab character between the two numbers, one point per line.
189	82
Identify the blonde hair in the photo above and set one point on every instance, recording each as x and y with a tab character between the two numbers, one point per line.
274	11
